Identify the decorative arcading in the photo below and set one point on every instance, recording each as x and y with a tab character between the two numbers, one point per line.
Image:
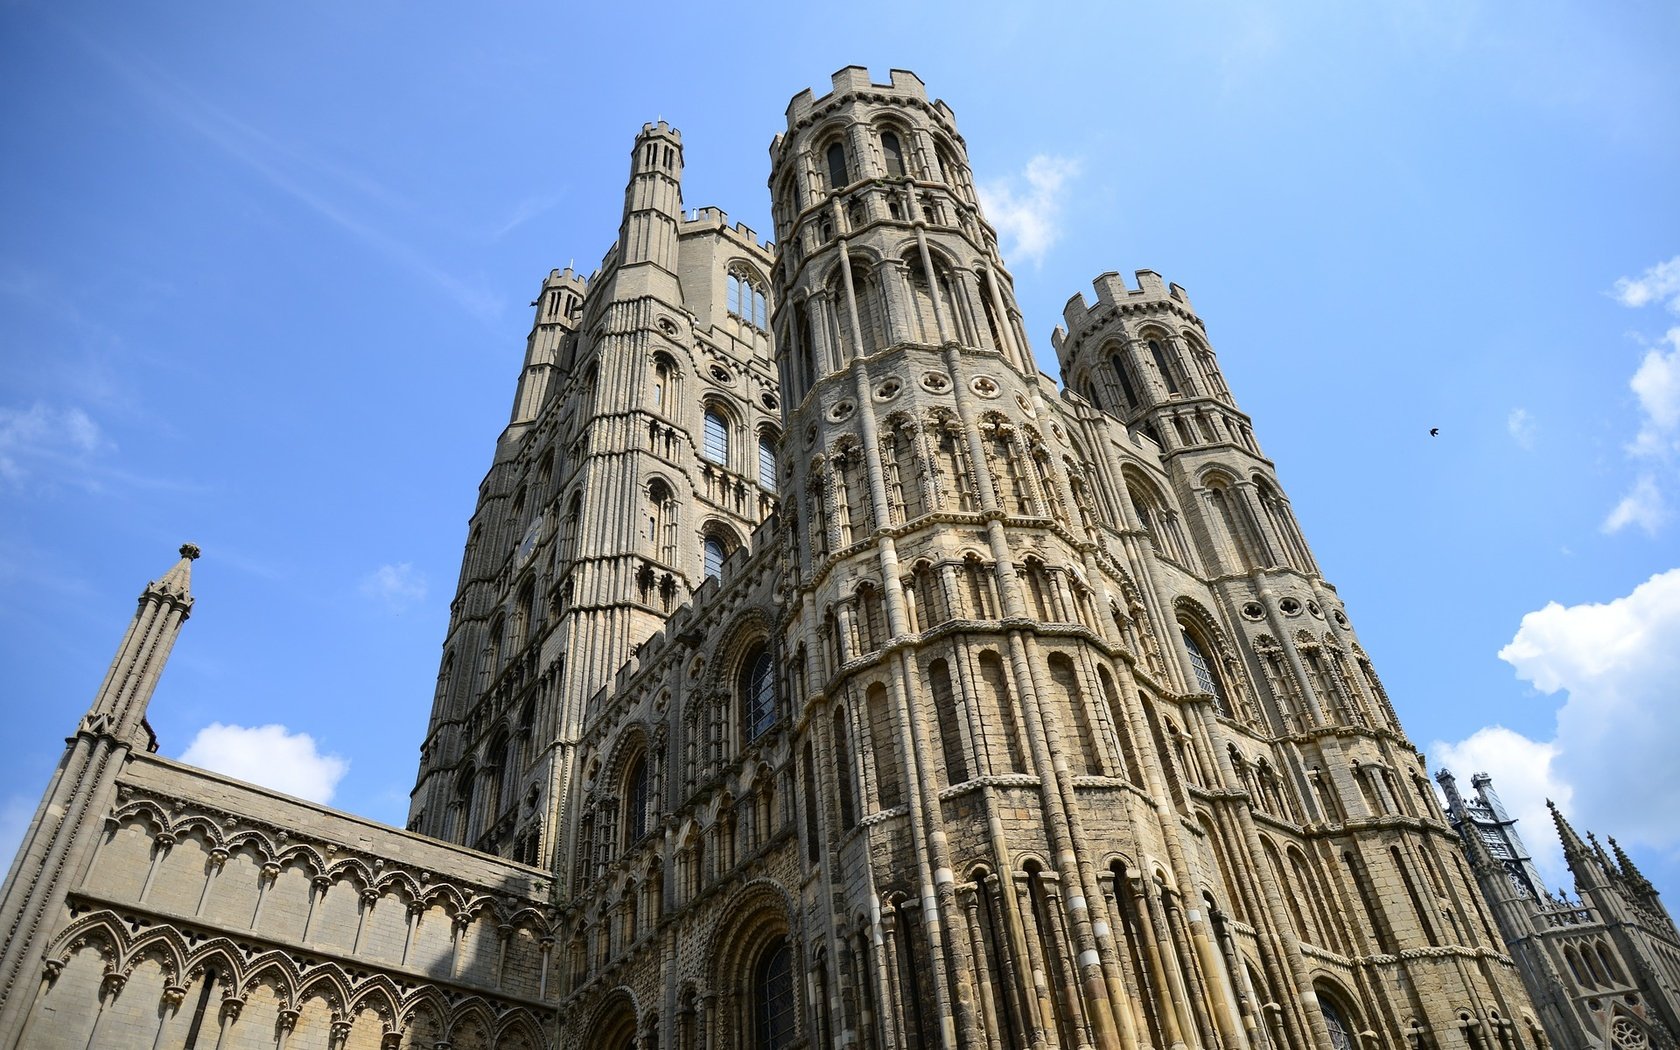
229	833
296	977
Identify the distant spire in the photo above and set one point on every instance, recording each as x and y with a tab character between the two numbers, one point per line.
1576	852
1633	875
1566	834
119	708
177	582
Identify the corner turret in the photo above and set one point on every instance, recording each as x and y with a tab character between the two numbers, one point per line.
653	209
119	708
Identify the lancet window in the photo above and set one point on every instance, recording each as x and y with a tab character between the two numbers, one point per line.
746	298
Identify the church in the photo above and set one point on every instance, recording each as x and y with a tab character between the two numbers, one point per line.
821	674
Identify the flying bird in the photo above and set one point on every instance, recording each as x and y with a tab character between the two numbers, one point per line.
1434	432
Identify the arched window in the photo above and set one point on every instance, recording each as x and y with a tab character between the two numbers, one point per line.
659	524
1159	356
758	693
1208	679
715	438
636	801
1341	1033
836	157
714	555
893	153
464	784
665	383
767	462
772	997
1124	376
843	777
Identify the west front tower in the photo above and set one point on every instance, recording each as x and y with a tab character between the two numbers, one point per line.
639	455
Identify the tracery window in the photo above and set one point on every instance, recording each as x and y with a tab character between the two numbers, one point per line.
758	693
1340	1038
746	299
772	997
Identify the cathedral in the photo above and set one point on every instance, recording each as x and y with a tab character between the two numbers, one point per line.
821	674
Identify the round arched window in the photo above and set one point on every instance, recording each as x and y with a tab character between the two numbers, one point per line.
1207	676
772	997
758	693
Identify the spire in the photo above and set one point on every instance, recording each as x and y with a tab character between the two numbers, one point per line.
653	198
1576	852
1598	851
176	584
1571	842
119	708
1633	875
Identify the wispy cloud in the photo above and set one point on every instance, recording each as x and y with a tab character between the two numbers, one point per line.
270	755
524	212
1656	384
1660	283
1027	209
1643	506
313	181
49	445
43	434
1522	427
1656	388
397	587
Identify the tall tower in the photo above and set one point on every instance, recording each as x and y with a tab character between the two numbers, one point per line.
1125	776
639	455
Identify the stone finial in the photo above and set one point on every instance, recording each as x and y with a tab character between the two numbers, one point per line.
190	551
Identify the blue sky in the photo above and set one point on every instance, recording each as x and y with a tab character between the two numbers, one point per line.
264	274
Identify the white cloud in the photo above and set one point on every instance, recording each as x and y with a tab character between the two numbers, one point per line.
1660	283
1522	427
1030	217
270	755
1617	662
1643	506
42	434
396	586
1524	777
1656	384
1609	766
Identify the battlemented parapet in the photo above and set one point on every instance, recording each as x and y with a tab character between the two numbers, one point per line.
1114	297
904	87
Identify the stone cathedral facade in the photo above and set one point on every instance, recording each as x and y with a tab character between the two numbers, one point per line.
820	674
